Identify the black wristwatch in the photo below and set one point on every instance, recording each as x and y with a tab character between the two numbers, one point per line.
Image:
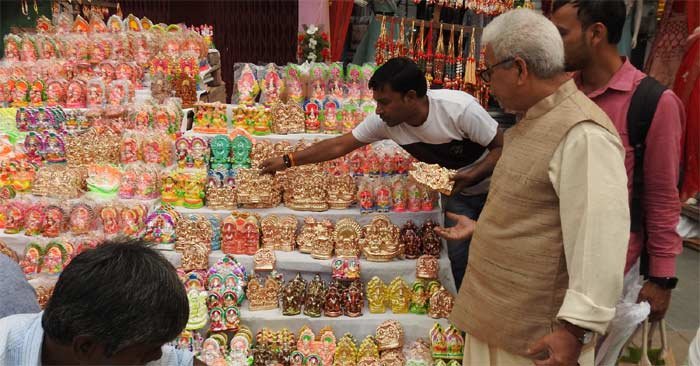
583	336
666	283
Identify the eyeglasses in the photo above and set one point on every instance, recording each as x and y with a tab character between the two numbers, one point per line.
485	74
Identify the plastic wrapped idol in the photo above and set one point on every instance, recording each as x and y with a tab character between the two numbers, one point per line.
54	221
160	227
354	82
331	115
336	82
318	79
272	85
210	118
293	83
247	87
103	180
216	232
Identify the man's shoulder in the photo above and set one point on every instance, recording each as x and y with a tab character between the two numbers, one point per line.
13	331
450	98
173	357
587	109
17	324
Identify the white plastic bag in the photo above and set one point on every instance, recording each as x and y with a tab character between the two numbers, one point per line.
694	351
628	316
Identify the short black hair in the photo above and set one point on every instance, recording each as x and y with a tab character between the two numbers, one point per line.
611	13
402	74
122	293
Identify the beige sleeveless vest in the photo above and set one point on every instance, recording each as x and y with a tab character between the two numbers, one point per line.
517	277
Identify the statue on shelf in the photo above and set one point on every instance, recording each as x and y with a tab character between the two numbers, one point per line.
440	304
241	147
380	242
347	238
342	191
323	240
419	299
399	296
255	190
411	240
220	147
332	306
376	296
315	297
305	188
293	296
431	241
354	300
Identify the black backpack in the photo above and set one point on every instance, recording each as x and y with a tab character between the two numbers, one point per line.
639	116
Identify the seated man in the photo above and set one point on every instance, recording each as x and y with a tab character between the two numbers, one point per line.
116	304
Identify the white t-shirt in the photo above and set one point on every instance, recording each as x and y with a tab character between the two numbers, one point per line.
454	135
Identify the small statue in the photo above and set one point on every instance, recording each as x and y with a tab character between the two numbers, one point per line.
354	300
380	242
347	236
332	306
220	149
376	296
441	304
399	296
198	310
346	352
382	196
194	192
241	147
315	297
293	296
419	299
410	238
216	320
431	241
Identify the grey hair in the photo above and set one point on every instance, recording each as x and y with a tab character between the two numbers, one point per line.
530	36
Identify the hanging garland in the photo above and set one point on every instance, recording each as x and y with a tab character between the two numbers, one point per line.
459	67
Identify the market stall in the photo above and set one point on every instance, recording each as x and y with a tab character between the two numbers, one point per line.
118	127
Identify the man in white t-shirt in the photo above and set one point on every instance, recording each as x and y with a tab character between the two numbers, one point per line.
444	127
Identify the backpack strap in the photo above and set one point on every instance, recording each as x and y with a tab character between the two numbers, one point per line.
639	116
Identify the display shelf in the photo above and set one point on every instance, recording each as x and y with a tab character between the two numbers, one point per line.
291	263
397	218
291	138
415	326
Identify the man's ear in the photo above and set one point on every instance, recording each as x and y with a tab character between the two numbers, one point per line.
86	350
410	95
598	34
523	72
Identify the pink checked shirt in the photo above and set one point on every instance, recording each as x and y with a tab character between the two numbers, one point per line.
661	167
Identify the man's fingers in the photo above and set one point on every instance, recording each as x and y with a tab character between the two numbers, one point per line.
453	216
549	361
446	233
537	348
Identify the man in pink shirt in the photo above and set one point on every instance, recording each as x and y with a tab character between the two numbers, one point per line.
591	30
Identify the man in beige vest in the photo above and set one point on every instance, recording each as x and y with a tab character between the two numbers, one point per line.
548	252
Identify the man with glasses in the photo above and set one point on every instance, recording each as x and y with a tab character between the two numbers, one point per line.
445	127
547	254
